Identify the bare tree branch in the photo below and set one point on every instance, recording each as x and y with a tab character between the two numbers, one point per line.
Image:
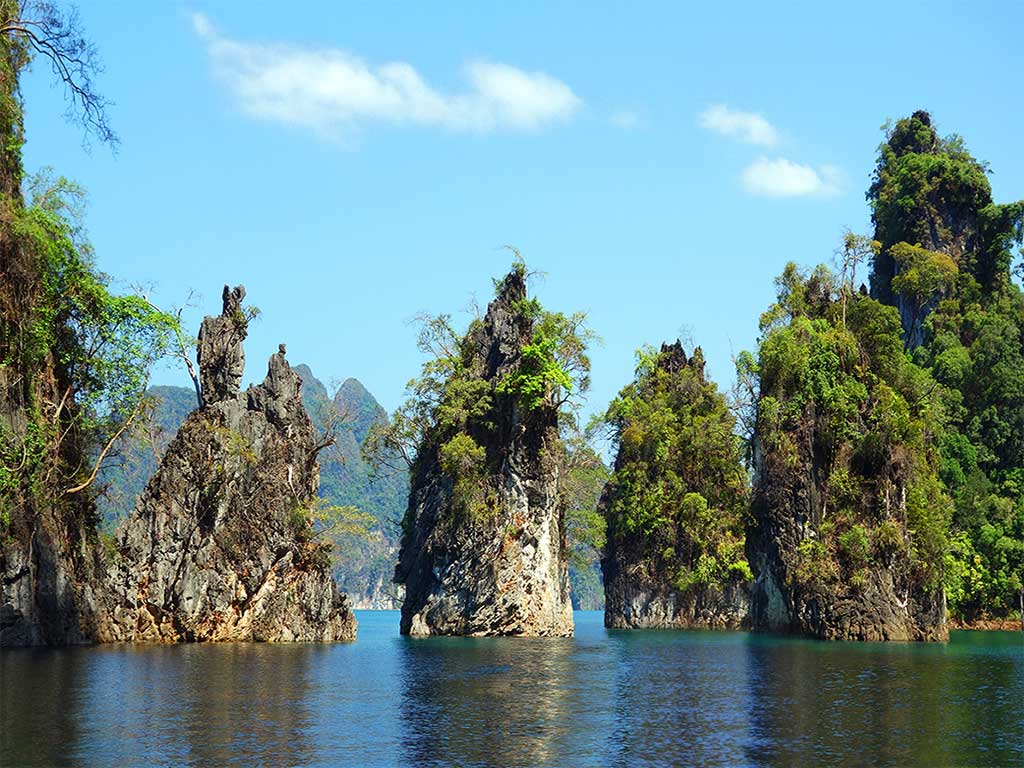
43	29
106	449
182	350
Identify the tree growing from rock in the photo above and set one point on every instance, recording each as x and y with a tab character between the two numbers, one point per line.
483	544
676	501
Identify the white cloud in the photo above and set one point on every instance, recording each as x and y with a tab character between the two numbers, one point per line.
332	91
783	178
748	127
624	118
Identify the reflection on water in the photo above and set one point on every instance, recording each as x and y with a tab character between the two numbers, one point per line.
898	704
481	702
139	705
604	698
40	708
679	697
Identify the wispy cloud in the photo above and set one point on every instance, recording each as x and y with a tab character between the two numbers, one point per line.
783	178
748	127
624	118
332	91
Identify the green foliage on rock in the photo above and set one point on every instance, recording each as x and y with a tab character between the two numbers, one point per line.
554	362
465	463
66	333
678	486
845	403
921	275
449	413
975	349
931	192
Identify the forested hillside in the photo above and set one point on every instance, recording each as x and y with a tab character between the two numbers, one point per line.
945	257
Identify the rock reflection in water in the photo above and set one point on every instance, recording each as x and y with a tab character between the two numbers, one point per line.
489	701
885	704
40	705
619	698
679	698
181	705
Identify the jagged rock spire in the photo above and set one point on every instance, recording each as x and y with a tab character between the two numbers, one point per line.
220	354
220	545
501	570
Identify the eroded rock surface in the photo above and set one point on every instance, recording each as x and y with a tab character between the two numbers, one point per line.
789	505
502	571
220	546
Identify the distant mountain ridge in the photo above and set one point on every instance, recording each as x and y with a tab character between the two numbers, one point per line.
363	567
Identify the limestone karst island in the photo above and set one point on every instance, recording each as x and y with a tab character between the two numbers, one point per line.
468	385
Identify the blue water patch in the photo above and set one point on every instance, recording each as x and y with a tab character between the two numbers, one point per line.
602	698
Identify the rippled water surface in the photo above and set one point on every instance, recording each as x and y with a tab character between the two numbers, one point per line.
604	698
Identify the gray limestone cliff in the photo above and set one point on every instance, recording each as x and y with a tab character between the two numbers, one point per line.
220	546
498	565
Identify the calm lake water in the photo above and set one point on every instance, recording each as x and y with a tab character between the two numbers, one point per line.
603	698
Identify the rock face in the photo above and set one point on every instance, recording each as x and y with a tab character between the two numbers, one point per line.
220	545
48	543
48	569
788	504
847	531
220	354
641	563
501	571
665	608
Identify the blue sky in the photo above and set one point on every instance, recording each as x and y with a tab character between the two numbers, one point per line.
354	164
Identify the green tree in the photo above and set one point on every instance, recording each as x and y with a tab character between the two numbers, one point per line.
923	277
856	250
678	486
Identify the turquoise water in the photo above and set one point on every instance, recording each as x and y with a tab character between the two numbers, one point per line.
603	698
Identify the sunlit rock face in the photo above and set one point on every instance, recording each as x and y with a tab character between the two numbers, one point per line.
220	545
503	571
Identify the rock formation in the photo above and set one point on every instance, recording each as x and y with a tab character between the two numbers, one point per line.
220	354
220	546
49	547
483	550
848	525
881	604
947	190
48	569
48	560
666	567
